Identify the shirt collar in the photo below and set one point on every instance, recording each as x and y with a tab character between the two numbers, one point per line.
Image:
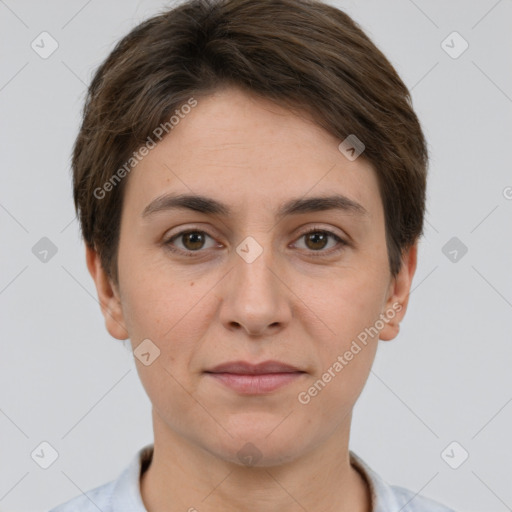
382	496
126	494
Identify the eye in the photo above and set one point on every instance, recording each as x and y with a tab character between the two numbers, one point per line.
316	240
192	241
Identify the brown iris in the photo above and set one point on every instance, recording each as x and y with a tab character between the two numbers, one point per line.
193	240
316	237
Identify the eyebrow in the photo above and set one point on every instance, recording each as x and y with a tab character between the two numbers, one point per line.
207	205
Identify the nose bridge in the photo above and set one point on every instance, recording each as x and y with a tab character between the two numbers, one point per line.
253	280
252	262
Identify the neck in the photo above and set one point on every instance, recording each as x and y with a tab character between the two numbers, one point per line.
185	477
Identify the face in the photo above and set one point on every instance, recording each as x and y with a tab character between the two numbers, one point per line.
250	281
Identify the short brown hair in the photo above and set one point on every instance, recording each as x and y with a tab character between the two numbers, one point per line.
304	54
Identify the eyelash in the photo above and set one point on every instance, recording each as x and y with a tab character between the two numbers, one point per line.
320	253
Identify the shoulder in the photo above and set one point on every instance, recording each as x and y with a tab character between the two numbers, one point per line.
386	497
96	499
410	501
119	495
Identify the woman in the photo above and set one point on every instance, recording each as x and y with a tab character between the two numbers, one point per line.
250	181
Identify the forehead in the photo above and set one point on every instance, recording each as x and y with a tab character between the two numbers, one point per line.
245	151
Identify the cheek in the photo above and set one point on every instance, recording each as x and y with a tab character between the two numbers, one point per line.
347	304
350	307
346	353
151	301
175	322
172	310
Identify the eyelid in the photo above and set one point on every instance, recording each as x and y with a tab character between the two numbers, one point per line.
318	227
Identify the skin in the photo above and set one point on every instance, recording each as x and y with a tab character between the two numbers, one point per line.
292	303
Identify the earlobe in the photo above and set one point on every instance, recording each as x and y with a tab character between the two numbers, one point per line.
398	295
108	296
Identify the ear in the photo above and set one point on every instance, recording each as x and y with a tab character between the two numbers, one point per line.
398	295
108	296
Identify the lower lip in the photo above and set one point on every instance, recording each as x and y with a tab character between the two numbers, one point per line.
255	384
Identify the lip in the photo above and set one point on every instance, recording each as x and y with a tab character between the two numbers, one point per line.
246	368
255	379
255	384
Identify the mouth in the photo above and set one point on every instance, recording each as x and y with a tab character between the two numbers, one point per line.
254	379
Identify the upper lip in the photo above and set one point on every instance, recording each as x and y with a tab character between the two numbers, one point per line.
244	367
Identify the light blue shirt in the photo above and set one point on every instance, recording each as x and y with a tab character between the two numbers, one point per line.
123	494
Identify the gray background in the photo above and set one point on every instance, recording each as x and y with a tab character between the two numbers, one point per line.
446	377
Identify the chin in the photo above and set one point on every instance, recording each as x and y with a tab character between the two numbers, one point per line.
256	446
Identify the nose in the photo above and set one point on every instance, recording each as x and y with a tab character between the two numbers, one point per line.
255	297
